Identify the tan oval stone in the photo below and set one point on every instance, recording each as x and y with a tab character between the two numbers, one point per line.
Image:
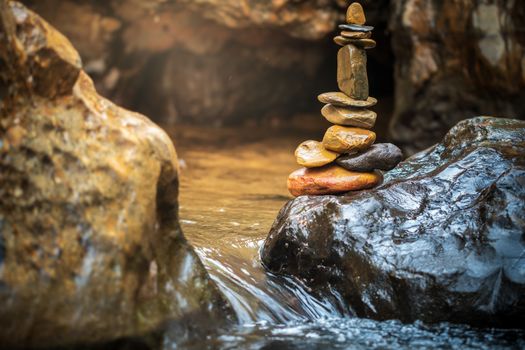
311	154
355	14
352	78
342	100
342	139
361	118
15	135
364	43
339	40
361	43
356	35
331	179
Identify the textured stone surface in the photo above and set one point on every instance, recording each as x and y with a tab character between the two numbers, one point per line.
311	154
381	156
358	117
455	60
440	240
348	140
352	77
331	179
90	244
355	14
342	100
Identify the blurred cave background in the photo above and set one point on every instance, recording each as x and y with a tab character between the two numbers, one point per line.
262	63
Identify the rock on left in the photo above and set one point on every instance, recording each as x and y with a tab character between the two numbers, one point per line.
90	244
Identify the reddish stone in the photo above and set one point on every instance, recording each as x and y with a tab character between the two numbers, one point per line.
331	179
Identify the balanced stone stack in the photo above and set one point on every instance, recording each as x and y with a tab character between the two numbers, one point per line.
347	159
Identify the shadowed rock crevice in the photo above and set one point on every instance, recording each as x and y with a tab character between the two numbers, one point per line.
441	240
455	60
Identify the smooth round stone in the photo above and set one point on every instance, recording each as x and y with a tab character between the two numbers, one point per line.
342	139
361	43
361	118
339	40
355	14
312	154
355	35
383	156
342	100
331	179
364	43
356	28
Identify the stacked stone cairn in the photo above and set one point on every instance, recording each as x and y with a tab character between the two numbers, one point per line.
347	159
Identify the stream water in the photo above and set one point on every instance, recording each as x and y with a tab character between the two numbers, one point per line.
233	183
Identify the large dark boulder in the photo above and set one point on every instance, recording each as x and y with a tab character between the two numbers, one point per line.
443	239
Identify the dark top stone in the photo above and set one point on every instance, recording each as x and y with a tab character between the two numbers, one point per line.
442	240
382	156
356	28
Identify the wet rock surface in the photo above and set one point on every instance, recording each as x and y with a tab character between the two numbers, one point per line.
382	156
90	245
440	240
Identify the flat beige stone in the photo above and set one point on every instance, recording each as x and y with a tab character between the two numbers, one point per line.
355	35
361	43
358	117
312	154
342	100
342	139
352	78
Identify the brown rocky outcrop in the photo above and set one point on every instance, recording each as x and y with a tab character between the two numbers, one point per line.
210	62
90	245
455	59
207	61
224	62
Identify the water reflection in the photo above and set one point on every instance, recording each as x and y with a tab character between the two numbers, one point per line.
233	183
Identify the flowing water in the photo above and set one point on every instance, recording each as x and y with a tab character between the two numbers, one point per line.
233	183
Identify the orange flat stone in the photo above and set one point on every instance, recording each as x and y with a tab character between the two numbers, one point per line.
331	179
